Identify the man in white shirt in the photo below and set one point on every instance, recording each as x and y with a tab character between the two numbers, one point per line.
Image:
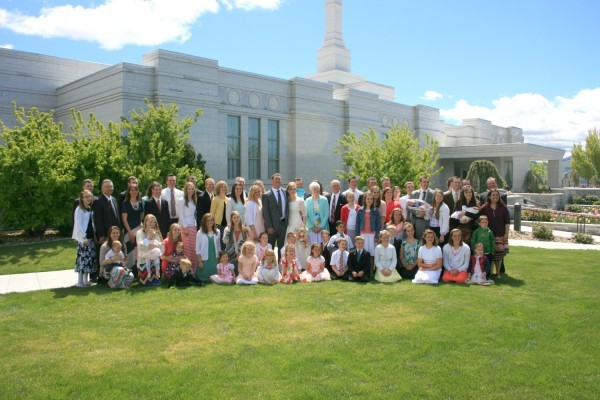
353	183
171	194
336	201
274	210
410	188
426	195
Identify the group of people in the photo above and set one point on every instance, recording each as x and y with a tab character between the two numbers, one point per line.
284	235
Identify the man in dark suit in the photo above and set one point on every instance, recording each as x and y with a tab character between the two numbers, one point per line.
451	197
336	201
158	207
132	180
418	218
359	261
274	210
106	211
106	214
492	184
204	200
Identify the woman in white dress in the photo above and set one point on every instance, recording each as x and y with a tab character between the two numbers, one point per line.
254	217
297	209
297	223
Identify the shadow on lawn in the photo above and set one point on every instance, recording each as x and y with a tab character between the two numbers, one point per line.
35	251
103	289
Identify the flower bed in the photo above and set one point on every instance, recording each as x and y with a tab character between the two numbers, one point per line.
542	215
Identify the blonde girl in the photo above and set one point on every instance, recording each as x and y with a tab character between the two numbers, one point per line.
268	272
247	264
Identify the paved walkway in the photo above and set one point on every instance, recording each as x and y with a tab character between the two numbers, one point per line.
68	278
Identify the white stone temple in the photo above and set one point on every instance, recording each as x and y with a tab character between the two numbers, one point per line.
254	125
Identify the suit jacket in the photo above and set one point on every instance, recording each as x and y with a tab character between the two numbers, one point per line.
104	216
428	196
203	207
163	217
272	212
362	263
503	197
341	202
449	200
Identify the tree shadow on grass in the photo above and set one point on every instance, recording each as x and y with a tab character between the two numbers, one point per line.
35	251
508	280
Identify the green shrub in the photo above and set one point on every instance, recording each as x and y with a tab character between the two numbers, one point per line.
589	199
597	203
574	208
582	237
542	232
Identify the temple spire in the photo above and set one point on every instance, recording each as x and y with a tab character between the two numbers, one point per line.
333	55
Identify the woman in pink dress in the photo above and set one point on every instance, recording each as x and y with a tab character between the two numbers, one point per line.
254	217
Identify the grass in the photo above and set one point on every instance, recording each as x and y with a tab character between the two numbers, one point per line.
532	336
38	257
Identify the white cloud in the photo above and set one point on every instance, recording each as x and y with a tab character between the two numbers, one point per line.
432	95
559	122
116	23
7	46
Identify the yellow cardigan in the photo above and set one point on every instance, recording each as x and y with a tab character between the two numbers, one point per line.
217	208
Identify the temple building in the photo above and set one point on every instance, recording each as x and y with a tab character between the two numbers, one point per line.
254	125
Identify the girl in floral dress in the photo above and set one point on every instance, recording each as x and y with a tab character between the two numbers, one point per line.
289	266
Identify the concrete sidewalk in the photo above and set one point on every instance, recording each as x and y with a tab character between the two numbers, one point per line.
37	281
68	278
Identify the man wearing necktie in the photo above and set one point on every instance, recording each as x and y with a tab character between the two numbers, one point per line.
419	218
204	200
158	207
336	200
171	195
451	197
105	215
274	210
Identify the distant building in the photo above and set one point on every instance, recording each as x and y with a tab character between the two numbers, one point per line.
254	125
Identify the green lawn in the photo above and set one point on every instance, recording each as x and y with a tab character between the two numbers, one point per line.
533	336
38	257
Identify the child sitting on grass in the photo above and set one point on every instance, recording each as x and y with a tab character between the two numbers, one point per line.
480	268
247	264
183	276
225	271
268	271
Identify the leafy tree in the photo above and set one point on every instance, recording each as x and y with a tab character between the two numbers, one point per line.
480	171
156	143
540	169
37	165
100	150
532	183
586	160
398	156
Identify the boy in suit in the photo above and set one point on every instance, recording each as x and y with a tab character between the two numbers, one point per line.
359	262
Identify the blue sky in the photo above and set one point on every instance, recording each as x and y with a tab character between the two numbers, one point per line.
527	63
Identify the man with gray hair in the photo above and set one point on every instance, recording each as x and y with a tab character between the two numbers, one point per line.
336	201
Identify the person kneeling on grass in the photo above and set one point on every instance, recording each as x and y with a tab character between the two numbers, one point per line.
247	264
315	266
359	261
183	276
225	271
456	257
268	271
339	261
385	260
480	267
429	260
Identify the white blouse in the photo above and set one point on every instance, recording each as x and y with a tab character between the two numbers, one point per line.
385	257
187	214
